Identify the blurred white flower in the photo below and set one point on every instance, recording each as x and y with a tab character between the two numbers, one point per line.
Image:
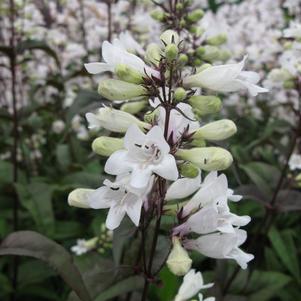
192	283
295	162
58	126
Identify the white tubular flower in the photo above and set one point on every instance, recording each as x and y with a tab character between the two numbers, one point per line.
83	246
144	155
121	199
192	283
210	219
213	189
222	246
128	43
226	78
113	56
79	197
183	188
113	120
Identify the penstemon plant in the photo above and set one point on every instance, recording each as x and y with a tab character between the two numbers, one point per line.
164	157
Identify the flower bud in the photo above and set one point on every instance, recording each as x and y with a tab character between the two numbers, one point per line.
171	52
180	94
216	130
151	116
178	262
113	120
170	37
128	74
195	15
157	15
105	146
289	84
280	75
188	170
153	54
224	55
202	67
196	30
217	40
209	53
79	198
114	89
133	107
204	105
183	59
207	158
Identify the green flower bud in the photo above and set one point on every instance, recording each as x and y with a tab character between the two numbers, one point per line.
200	51
183	59
178	261
289	84
224	55
280	74
79	198
216	130
153	54
106	146
211	53
202	67
151	116
196	30
200	142
207	158
171	52
217	40
158	15
183	23
128	74
91	243
170	36
204	105
114	89
195	15
180	94
188	170
179	6
197	62
134	107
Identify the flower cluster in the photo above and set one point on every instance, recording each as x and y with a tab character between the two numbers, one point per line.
160	145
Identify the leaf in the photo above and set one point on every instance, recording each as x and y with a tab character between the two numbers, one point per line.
263	175
130	284
37	44
33	271
288	200
285	248
98	273
266	284
36	198
33	244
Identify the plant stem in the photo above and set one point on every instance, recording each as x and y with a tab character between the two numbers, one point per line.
13	64
109	7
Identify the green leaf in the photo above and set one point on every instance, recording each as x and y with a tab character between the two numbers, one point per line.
263	175
130	284
36	198
265	285
33	271
288	200
284	245
33	244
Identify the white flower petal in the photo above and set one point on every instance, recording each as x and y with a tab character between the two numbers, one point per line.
114	217
117	163
133	210
98	199
183	188
167	169
95	68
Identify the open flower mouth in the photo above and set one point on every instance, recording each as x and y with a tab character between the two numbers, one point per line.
149	153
